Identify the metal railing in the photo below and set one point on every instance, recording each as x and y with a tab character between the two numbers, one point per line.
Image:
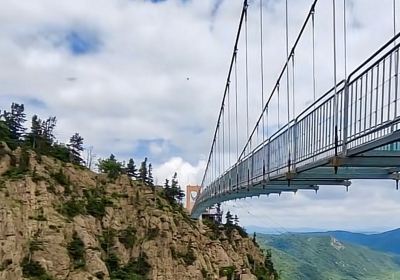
360	110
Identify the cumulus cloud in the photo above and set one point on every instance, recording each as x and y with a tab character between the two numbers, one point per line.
188	174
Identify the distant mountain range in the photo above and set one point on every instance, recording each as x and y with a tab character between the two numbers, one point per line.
335	255
386	242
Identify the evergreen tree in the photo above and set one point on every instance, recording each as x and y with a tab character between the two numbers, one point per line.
229	218
143	171
219	213
4	132
254	237
131	170
173	192
34	137
47	129
76	147
174	181
110	166
269	265
236	220
150	179
166	184
15	121
179	194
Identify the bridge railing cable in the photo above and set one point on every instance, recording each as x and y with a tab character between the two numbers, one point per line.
233	60
278	82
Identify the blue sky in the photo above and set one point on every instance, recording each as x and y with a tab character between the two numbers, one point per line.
145	78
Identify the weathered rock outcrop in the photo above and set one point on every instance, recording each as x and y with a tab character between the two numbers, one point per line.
121	224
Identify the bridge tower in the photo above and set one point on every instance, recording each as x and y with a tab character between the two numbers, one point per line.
191	195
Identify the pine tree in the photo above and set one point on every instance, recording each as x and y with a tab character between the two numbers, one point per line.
254	237
15	121
143	171
166	184
150	179
173	192
34	137
47	128
228	218
131	170
76	147
218	216
4	132
236	220
178	194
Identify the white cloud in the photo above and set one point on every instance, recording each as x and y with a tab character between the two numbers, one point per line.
188	174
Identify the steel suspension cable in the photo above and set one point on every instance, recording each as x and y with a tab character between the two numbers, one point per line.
287	57
229	125
247	74
276	87
236	96
287	81
293	101
313	54
345	38
262	67
335	103
394	20
279	122
225	91
223	139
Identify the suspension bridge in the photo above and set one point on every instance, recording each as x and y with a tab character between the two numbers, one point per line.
350	130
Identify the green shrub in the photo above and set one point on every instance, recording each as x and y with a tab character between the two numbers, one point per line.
60	178
112	262
76	251
107	240
14	173
189	258
35	245
227	271
72	208
128	237
96	206
5	264
152	233
33	269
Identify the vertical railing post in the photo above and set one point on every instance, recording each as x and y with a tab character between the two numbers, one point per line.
345	117
294	139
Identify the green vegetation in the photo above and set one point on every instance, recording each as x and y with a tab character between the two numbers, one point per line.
72	208
76	251
96	206
188	256
301	256
18	171
173	193
227	271
127	237
152	233
135	269
34	270
61	178
111	167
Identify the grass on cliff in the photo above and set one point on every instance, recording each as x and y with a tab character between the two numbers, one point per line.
76	251
34	270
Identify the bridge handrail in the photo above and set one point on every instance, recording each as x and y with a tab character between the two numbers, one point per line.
342	89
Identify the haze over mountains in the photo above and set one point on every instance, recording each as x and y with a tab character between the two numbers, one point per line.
335	255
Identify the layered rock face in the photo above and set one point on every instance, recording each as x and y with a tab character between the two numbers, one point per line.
60	221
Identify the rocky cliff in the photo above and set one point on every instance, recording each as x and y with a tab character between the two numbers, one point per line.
62	221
